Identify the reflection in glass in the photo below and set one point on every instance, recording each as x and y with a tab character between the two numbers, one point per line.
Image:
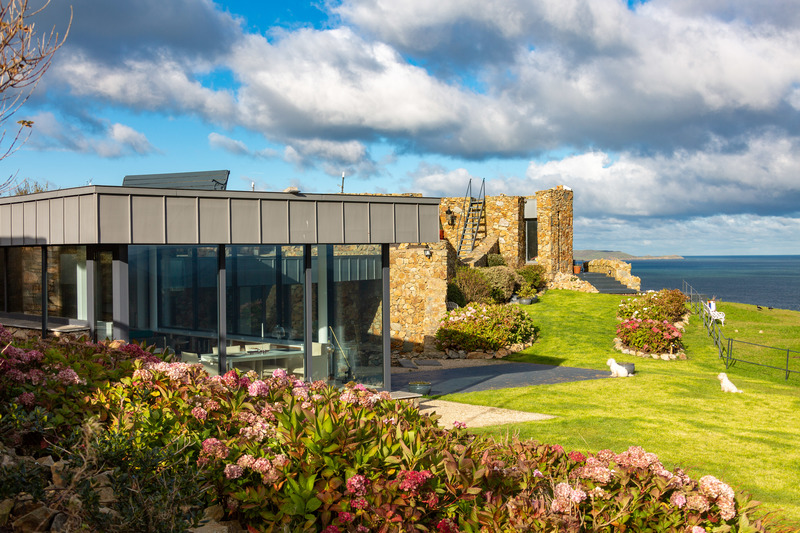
348	318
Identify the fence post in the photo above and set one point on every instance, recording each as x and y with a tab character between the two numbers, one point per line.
787	364
730	354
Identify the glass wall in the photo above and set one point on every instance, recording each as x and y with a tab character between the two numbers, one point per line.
22	281
265	319
348	314
173	296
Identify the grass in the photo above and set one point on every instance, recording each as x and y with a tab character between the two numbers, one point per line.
674	409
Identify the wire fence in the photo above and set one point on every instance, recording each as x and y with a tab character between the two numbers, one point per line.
733	351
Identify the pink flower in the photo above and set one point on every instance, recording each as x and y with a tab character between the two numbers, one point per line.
199	413
27	399
357	485
678	500
698	529
233	471
258	388
279	373
345	517
446	525
576	456
359	503
459	425
412	480
331	529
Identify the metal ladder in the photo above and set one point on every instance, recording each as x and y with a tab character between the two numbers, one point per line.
472	215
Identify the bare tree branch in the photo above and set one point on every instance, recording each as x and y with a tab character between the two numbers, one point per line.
24	58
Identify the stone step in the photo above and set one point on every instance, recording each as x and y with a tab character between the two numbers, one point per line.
605	284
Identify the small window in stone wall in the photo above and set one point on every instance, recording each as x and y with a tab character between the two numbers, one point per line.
531	239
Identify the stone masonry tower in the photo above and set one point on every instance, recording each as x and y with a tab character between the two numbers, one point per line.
554	213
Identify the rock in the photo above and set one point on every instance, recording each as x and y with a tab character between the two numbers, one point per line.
36	520
59	521
215	513
5	510
75	504
407	363
476	355
502	352
106	495
46	461
57	470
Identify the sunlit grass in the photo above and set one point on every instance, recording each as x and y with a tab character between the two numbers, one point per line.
675	409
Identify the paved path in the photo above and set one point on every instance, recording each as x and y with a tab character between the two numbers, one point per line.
497	375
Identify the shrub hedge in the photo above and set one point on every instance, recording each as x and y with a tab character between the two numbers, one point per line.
280	454
474	285
502	280
484	327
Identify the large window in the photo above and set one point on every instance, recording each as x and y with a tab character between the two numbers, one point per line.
348	316
66	283
173	296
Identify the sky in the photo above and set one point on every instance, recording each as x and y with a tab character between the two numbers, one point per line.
675	122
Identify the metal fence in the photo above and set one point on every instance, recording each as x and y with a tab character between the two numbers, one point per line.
733	351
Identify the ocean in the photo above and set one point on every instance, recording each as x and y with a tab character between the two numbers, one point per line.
768	281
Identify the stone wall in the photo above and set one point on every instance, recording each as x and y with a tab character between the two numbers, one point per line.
619	270
554	214
503	219
418	292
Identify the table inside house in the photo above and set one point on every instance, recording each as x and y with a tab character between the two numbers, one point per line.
266	360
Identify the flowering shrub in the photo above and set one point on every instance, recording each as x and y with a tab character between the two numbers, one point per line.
57	375
666	304
650	336
280	454
484	327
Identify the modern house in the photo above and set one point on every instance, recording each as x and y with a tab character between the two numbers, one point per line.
232	279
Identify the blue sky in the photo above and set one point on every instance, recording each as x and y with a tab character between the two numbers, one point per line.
676	122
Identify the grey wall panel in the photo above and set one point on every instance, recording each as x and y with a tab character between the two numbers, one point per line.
356	223
274	222
381	222
245	223
72	220
406	223
114	219
302	222
428	223
5	225
330	222
43	222
56	221
17	224
29	223
147	219
214	221
87	224
181	221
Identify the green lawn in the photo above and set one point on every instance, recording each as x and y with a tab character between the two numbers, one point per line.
675	409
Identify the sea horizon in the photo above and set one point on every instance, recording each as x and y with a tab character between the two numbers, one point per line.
765	280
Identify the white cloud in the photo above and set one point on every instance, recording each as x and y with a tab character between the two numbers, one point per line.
436	180
116	140
743	234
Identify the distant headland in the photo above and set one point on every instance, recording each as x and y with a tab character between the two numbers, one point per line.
588	255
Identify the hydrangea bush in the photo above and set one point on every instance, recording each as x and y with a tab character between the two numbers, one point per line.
666	304
650	336
281	454
648	321
484	327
